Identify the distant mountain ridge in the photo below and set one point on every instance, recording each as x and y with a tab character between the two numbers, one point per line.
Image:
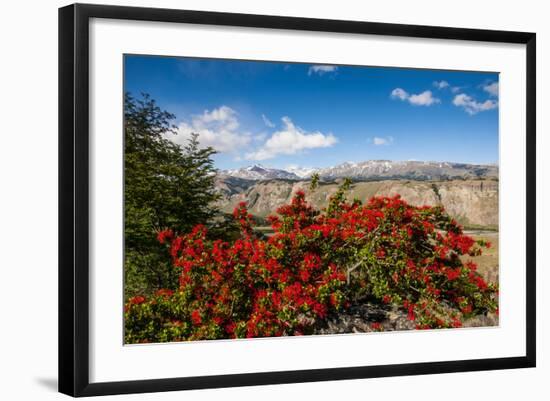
369	170
258	172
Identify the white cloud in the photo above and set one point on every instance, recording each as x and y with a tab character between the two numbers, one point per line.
291	140
267	121
321	69
218	128
455	89
399	93
425	98
471	106
441	84
379	141
491	89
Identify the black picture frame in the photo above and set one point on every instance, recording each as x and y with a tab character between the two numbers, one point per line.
74	198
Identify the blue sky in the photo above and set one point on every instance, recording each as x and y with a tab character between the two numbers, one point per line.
282	114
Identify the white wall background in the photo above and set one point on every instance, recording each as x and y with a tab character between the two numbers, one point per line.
28	199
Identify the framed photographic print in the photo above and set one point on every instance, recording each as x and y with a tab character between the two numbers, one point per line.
279	199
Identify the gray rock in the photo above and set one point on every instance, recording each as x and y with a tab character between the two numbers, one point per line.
360	319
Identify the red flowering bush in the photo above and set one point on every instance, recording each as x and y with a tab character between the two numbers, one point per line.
316	263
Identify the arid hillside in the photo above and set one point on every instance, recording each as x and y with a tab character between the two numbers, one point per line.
473	202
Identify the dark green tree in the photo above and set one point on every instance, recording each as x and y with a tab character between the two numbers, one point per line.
167	186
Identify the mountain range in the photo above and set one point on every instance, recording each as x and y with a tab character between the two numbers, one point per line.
370	170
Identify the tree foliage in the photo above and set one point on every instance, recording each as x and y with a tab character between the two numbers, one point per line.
165	185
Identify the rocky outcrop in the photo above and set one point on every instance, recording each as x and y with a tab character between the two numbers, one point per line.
364	318
369	317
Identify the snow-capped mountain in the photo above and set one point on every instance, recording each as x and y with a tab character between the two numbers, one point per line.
258	172
371	169
419	170
302	172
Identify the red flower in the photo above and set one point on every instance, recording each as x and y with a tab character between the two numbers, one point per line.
467	309
165	292
376	326
196	317
410	312
165	235
478	281
452	274
456	323
471	266
136	300
230	327
320	310
304	275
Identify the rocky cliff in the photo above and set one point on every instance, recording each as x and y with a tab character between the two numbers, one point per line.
473	202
